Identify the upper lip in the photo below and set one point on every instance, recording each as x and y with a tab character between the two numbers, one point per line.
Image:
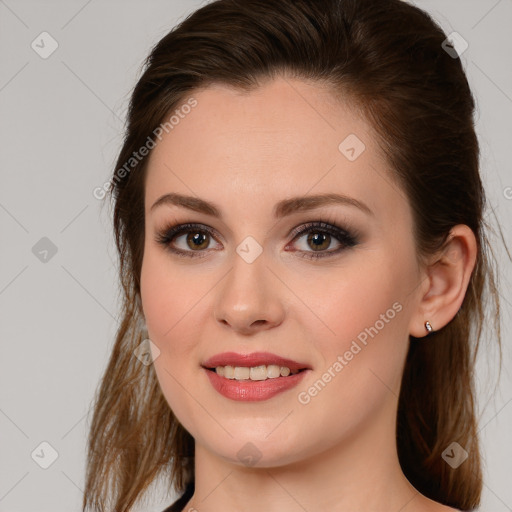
252	359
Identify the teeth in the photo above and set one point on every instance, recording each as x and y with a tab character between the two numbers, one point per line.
263	372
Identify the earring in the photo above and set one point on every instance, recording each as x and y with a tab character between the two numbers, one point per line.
429	327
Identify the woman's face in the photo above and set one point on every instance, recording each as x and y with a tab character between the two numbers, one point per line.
243	281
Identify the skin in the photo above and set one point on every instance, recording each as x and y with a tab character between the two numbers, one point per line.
245	152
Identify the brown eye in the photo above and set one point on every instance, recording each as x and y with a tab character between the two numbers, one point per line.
197	240
320	236
319	241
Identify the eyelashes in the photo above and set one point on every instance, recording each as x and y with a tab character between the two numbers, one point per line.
319	234
346	238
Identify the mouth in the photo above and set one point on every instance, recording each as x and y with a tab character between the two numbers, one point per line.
254	383
255	365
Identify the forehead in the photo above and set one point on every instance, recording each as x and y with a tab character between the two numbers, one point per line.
278	117
287	137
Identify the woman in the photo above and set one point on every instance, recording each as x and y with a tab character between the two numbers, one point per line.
298	213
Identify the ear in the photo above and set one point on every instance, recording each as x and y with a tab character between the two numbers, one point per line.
446	280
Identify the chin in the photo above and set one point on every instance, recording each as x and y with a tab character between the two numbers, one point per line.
261	450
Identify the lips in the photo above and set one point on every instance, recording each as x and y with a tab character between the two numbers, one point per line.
252	359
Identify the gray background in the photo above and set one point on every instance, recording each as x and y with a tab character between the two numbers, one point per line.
61	121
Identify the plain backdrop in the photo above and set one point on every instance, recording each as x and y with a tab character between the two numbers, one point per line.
61	122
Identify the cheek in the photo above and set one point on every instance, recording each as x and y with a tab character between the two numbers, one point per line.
362	359
169	304
349	300
363	321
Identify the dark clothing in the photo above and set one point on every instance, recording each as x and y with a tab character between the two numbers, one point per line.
180	503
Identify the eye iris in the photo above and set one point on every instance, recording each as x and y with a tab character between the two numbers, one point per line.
321	239
196	237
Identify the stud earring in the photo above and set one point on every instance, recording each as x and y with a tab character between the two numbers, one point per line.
429	327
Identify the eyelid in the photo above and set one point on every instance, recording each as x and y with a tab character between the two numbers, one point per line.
321	226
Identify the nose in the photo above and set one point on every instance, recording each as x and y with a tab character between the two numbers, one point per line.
248	299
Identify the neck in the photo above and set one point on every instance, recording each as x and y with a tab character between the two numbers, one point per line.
360	473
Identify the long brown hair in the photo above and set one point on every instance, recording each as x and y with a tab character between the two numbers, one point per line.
387	58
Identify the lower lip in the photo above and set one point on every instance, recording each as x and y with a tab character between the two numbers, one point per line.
253	390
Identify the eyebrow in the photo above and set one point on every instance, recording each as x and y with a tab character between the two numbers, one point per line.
281	209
